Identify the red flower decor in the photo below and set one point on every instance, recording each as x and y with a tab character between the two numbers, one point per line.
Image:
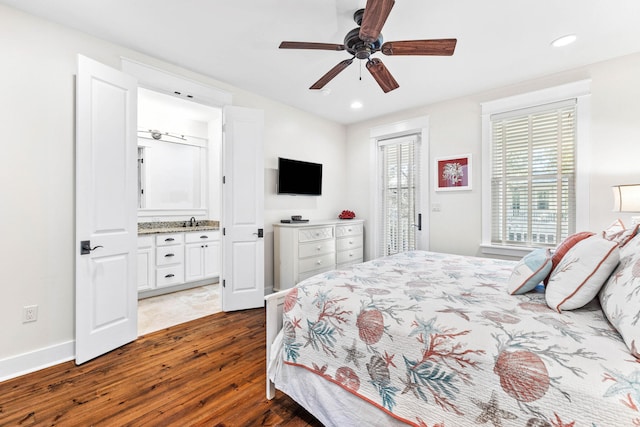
347	215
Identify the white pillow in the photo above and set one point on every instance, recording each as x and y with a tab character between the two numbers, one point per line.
620	296
581	273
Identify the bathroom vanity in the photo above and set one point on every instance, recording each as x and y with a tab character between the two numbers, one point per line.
173	256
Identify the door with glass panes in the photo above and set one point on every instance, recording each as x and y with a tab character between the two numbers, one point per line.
400	218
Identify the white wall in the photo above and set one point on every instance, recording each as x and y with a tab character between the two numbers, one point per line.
455	128
37	175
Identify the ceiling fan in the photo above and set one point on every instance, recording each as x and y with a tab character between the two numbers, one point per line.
364	41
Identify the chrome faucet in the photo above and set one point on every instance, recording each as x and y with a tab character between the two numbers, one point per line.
192	221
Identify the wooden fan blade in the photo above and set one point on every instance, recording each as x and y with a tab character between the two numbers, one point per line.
311	45
442	47
382	75
376	13
331	74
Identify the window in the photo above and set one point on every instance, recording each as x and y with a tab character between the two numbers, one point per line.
532	192
533	175
400	181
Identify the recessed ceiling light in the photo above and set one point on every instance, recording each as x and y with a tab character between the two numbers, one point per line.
356	104
564	40
326	91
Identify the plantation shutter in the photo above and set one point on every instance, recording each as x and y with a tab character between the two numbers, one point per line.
400	177
533	162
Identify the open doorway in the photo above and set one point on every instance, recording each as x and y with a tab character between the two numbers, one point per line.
178	197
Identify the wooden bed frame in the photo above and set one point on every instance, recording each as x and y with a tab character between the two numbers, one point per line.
274	303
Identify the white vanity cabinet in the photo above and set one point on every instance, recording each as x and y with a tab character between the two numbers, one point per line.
302	250
202	255
174	261
146	263
169	259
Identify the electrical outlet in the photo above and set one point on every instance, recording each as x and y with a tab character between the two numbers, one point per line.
29	313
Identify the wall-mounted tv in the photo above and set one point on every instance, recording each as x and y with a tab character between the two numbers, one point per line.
298	177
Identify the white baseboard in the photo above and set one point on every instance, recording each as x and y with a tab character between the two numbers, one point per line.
32	361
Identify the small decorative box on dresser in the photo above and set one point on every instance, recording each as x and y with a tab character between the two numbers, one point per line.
302	250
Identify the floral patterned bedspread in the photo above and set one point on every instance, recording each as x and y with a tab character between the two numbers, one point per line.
436	340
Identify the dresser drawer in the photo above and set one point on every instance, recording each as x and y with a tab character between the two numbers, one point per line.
348	243
348	230
166	255
201	236
169	239
312	234
353	255
316	263
315	248
172	275
308	274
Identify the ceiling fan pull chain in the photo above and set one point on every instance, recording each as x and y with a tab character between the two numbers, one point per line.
360	70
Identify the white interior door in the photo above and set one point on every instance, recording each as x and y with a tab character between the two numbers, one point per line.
243	209
106	184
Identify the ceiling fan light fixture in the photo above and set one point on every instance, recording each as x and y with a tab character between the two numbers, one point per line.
366	40
564	40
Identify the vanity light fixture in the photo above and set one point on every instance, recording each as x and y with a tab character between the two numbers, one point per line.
157	135
564	40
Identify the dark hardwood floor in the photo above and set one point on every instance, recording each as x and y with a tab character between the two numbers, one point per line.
208	372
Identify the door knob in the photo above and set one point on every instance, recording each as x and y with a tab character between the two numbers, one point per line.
85	247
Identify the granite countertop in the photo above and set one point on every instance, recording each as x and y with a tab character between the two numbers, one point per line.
175	226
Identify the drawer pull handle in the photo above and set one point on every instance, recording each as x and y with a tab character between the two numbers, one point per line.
170	275
318	247
349	230
169	255
169	239
204	237
319	262
351	242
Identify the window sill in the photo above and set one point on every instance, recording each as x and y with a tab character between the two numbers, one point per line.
512	251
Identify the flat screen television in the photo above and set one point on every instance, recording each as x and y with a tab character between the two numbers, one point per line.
298	177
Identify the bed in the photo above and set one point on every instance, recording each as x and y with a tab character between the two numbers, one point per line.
430	339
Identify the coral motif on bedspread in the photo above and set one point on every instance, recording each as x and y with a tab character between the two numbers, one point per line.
435	339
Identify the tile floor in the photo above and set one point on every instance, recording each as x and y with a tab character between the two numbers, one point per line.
160	312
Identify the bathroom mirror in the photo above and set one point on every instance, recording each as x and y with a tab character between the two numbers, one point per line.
171	176
174	163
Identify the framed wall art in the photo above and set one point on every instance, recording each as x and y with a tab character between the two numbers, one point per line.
453	173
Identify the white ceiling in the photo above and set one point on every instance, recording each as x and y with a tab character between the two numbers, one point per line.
500	42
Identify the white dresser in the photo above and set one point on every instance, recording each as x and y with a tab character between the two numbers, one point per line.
302	250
